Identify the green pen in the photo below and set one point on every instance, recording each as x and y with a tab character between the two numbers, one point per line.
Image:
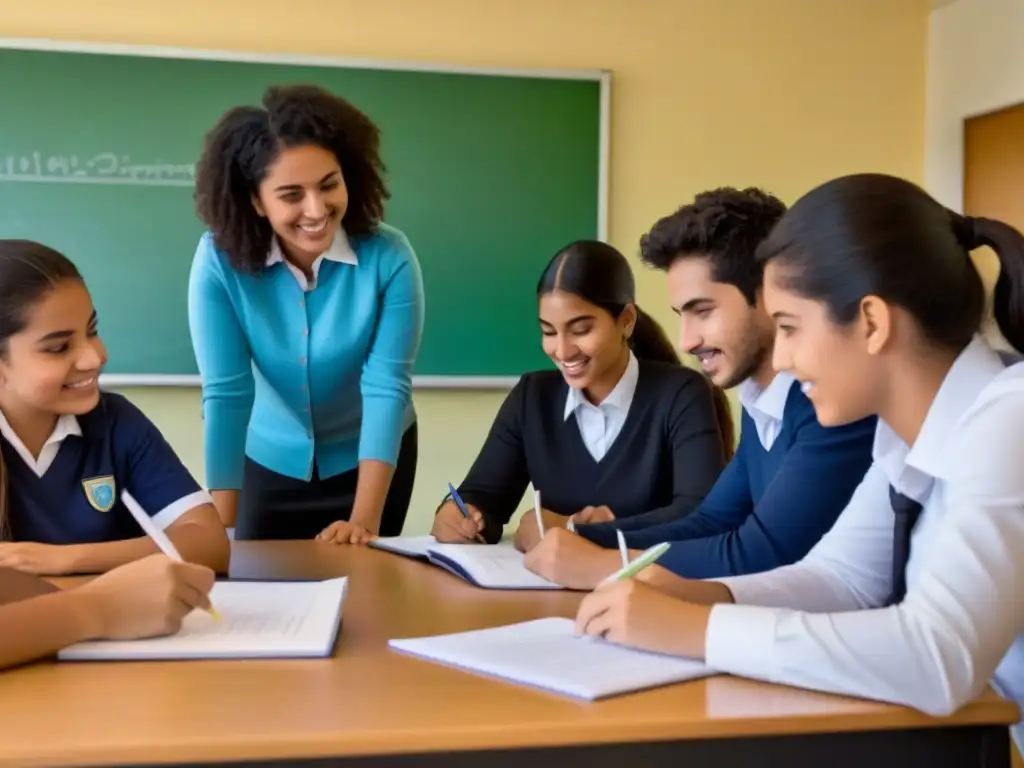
647	557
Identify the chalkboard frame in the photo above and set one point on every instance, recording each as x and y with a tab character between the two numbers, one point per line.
602	76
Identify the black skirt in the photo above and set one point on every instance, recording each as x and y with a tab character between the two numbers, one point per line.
273	506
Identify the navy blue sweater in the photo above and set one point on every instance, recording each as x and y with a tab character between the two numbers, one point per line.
768	508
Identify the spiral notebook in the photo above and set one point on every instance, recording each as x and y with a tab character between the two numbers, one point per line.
547	654
490	566
258	619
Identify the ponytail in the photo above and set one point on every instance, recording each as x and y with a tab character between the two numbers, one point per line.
650	342
1008	244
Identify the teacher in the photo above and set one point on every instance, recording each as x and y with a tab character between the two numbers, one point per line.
306	313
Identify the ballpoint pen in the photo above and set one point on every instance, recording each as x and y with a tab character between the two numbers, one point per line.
623	550
645	559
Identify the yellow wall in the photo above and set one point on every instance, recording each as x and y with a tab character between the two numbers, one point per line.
779	93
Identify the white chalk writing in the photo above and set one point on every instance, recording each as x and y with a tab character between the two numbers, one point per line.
103	168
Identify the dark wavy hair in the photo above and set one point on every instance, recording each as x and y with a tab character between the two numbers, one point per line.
723	225
601	275
246	140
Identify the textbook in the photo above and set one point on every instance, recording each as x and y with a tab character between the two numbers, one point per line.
490	566
258	619
547	654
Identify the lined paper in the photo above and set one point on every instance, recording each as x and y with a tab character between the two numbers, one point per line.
259	619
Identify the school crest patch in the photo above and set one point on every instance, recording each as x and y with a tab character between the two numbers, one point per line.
100	491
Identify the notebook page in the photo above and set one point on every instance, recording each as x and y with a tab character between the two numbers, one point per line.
258	619
545	653
495	566
411	546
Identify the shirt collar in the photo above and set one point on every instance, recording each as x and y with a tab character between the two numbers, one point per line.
620	397
769	402
67	425
912	470
340	251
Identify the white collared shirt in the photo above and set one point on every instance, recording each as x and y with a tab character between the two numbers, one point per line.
600	424
67	425
817	624
766	406
340	251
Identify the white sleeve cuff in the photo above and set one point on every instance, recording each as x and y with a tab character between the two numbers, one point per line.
740	640
755	588
169	514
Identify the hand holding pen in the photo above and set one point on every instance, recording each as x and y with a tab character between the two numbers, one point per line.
457	522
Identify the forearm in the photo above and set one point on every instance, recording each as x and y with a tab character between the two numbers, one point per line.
40	626
107	555
195	543
371	493
690	590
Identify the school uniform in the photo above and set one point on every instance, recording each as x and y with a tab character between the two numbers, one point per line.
788	481
914	596
303	379
651	450
71	492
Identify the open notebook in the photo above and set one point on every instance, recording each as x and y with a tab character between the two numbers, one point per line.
258	619
546	653
491	566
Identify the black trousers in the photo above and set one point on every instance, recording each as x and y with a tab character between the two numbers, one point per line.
273	506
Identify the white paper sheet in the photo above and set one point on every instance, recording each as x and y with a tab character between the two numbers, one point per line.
546	653
258	619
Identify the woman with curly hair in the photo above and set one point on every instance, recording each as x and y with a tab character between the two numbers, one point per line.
306	313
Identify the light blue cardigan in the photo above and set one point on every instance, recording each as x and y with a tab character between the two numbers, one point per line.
289	376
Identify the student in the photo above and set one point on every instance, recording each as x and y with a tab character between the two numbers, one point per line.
621	431
790	477
306	313
914	597
144	598
70	449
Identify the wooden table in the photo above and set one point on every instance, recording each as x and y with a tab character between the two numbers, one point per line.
369	706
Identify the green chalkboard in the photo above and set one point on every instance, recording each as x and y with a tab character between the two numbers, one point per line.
490	174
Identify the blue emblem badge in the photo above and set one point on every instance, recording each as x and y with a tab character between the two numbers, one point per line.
100	491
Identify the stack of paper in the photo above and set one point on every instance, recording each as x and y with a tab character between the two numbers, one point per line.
547	654
257	620
491	566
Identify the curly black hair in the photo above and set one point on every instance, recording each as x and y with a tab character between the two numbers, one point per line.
723	225
246	140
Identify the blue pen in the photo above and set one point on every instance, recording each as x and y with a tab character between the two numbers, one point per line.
457	500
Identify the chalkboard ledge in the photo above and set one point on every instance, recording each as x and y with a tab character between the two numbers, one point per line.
114	380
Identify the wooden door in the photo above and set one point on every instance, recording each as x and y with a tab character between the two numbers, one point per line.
994	175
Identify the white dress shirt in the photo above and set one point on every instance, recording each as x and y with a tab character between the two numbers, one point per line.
600	424
340	251
817	624
766	406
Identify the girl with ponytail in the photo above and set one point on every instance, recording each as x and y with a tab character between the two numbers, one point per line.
621	430
915	595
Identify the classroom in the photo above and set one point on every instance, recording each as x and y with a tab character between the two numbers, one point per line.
655	585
